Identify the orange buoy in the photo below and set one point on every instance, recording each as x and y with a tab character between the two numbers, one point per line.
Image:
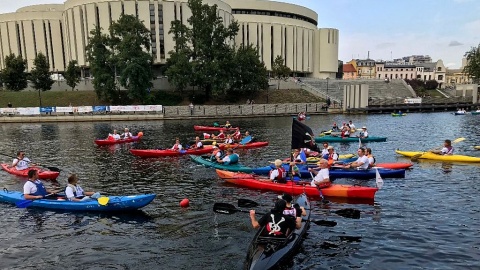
185	203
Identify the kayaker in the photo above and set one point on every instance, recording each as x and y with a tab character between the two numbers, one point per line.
363	133
230	158
34	189
220	135
177	146
229	139
335	128
301	116
446	150
198	144
126	134
293	210
227	124
331	156
275	223
322	177
345	131
299	157
279	174
325	149
362	161
75	193
371	158
21	162
350	123
217	153
115	135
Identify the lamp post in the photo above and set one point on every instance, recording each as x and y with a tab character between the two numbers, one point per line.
328	78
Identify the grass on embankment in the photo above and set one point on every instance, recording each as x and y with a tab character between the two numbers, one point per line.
89	98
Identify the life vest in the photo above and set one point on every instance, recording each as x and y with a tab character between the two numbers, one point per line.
74	189
206	136
233	159
41	190
229	141
450	150
374	160
214	154
175	146
221	136
290	211
110	137
237	135
282	175
330	159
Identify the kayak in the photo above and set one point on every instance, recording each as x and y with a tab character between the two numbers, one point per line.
475	112
115	203
42	174
477	147
334	190
399	114
149	153
432	156
336	173
101	142
346	159
210	141
243	146
328	138
269	252
205	161
210	128
460	113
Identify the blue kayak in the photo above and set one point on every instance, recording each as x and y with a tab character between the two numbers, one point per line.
115	203
339	173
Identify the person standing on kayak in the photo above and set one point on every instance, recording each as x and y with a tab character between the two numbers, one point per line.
275	223
361	163
446	150
322	177
34	189
126	134
75	193
177	146
21	162
198	144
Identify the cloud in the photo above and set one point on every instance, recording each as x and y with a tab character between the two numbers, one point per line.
454	43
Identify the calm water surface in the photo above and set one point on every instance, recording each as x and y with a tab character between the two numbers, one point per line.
429	220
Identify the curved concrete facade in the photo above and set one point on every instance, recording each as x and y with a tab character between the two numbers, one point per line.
275	28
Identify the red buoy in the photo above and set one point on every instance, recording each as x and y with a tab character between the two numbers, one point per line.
185	203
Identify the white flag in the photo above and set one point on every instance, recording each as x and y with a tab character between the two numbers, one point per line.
378	179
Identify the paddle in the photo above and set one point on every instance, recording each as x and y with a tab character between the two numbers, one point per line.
250	204
55	169
417	156
226	208
378	179
26	203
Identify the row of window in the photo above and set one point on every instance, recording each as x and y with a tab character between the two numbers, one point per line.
400	76
274	14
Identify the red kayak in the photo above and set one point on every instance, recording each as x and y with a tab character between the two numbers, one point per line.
334	190
209	128
149	153
394	165
42	174
243	146
111	141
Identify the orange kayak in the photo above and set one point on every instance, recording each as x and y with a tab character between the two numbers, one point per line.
42	174
334	190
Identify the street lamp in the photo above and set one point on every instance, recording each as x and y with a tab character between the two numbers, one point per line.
328	78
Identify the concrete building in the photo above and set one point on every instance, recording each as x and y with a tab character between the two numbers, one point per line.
349	72
61	31
432	71
391	71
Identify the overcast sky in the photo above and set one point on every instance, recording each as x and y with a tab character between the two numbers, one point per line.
443	29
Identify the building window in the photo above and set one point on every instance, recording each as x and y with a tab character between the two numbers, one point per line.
440	77
439	69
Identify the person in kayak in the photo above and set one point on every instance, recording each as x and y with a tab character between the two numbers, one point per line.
177	146
322	177
227	124
335	128
217	153
362	161
301	116
126	134
279	174
21	162
229	139
446	150
75	193
220	135
299	157
293	210
275	223
350	123
230	158
115	135
325	149
198	144
371	158
331	156
34	189
363	133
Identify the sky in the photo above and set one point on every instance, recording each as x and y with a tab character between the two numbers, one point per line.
388	29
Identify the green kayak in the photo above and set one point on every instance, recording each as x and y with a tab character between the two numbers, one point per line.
231	167
349	139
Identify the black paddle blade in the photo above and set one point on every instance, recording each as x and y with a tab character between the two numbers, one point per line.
349	213
55	169
247	203
325	223
224	208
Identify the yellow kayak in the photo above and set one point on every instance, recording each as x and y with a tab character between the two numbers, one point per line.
316	159
432	156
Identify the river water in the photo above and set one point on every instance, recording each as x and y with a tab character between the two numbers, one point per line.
429	220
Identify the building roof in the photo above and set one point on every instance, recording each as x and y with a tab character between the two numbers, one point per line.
427	66
349	68
398	65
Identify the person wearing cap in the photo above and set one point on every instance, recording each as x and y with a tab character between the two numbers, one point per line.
361	163
279	174
276	224
22	162
322	177
126	134
363	133
293	210
331	156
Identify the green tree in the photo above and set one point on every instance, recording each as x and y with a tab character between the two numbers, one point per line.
40	75
472	69
131	39
279	70
431	85
72	74
250	74
14	75
102	65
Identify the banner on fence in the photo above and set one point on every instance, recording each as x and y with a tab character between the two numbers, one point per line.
100	108
412	101
28	111
47	109
83	109
64	109
8	111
